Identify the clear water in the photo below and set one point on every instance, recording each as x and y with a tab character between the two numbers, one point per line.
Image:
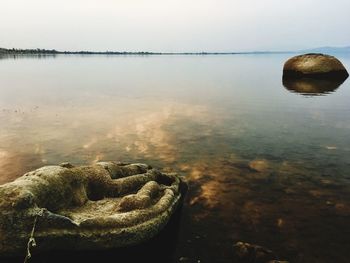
265	164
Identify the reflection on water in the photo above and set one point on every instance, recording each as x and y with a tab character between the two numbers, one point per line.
264	166
312	87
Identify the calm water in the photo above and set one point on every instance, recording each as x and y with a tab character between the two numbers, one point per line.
266	164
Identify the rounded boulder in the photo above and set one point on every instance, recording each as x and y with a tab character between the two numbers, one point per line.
314	66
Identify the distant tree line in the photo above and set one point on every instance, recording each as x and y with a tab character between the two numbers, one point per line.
38	51
27	51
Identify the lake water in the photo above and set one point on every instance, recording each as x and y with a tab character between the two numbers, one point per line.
266	164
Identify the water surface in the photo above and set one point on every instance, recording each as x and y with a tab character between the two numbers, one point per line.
266	164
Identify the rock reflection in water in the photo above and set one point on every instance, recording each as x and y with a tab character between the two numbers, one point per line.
312	87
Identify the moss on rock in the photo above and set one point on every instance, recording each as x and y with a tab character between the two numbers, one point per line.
106	205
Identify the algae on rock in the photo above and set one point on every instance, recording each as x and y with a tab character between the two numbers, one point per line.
101	206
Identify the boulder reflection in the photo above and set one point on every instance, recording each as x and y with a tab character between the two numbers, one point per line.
312	87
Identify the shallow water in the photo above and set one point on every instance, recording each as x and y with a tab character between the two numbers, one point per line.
266	164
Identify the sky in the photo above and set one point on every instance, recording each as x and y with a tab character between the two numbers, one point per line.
174	26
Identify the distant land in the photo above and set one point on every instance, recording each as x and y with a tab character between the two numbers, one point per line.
328	50
38	51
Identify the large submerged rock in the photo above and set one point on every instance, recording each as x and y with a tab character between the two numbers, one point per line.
314	66
106	205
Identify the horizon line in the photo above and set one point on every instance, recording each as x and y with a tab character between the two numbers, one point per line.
108	52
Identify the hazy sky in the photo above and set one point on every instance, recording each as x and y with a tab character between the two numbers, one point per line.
169	25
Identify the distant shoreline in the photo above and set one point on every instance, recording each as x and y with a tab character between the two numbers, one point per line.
14	51
4	51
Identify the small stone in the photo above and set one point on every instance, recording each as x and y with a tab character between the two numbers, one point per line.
67	165
253	253
184	259
259	165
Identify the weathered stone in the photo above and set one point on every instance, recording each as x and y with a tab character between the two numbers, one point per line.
314	66
106	205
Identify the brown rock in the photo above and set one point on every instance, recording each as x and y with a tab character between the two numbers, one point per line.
314	66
